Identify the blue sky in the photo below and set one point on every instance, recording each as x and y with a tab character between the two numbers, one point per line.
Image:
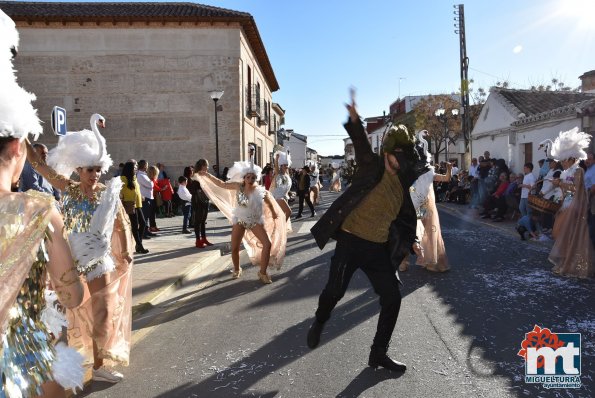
318	49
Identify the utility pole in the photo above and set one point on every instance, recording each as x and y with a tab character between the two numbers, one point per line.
465	120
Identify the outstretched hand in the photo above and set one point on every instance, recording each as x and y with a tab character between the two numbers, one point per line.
351	107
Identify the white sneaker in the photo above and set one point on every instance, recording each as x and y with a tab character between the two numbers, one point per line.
108	375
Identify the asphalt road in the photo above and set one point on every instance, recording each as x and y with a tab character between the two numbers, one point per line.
459	332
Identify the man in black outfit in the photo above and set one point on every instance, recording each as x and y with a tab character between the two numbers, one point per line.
303	192
374	224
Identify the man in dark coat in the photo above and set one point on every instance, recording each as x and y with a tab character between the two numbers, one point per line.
374	224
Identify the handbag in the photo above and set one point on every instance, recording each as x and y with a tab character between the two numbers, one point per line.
158	199
128	206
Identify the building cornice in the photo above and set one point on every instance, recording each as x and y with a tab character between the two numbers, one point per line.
558	113
31	14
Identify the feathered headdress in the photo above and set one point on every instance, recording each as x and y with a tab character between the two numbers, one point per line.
570	144
284	158
397	137
18	118
239	169
80	149
422	146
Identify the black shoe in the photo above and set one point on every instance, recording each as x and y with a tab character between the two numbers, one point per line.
150	234
313	214
298	216
381	359
314	334
185	231
141	250
521	230
499	219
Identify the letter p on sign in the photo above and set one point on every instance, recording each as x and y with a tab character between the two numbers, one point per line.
59	120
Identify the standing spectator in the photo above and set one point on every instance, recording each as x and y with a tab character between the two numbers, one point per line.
31	179
200	205
146	191
118	172
484	170
224	174
153	172
267	178
162	173
133	203
455	169
186	199
167	195
528	182
303	191
474	188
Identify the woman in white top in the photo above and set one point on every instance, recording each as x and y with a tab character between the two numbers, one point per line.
247	212
282	182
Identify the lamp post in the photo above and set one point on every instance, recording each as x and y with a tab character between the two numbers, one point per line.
443	117
215	95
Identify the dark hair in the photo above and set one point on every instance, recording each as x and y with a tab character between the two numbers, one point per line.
529	165
121	165
142	164
557	174
200	164
187	172
182	179
4	141
128	172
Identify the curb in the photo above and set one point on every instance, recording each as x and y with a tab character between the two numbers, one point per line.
473	219
175	283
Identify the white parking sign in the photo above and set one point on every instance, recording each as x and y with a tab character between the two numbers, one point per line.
59	120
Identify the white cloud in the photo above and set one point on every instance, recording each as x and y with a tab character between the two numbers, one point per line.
517	49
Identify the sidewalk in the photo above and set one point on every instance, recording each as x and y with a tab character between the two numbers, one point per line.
173	259
472	215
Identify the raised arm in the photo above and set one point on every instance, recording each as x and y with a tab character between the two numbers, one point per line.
444	177
357	133
221	184
61	268
46	171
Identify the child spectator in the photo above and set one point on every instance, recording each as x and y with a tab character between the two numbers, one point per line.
167	194
529	223
528	182
186	202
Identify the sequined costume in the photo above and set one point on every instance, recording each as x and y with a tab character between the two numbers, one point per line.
281	186
572	253
255	211
28	357
433	256
100	233
248	211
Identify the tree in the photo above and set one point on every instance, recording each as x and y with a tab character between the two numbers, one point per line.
425	119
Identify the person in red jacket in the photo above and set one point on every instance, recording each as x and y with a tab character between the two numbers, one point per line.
497	200
167	194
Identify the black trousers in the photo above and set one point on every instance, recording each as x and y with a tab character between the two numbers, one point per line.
137	224
350	254
304	195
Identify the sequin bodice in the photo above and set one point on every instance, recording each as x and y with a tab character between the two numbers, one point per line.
27	353
78	209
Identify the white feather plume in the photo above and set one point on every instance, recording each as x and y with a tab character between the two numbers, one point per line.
239	169
68	368
284	158
18	117
570	144
79	149
51	316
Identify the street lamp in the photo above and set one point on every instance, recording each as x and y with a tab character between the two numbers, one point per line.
443	117
215	95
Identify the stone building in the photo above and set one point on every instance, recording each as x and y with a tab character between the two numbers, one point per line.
149	68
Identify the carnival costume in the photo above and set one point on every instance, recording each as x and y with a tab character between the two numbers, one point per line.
100	236
281	182
336	178
572	253
249	210
433	256
28	358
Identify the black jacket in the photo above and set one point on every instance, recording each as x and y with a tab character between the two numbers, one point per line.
369	173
